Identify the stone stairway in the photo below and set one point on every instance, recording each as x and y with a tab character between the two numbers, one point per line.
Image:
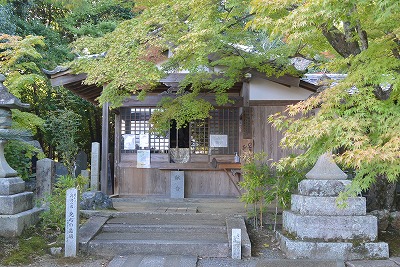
190	234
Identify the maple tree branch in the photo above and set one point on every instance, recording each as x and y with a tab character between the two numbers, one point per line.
362	34
341	41
396	51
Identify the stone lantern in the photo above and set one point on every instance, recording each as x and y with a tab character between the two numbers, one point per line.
16	205
316	228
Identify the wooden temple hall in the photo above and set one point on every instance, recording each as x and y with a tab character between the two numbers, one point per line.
199	160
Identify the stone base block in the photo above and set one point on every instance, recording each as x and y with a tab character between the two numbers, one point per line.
13	225
298	249
16	203
331	228
310	205
11	186
322	188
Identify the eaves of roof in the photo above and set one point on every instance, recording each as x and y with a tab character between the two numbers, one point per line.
61	76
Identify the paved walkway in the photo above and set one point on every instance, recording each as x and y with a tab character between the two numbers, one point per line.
215	206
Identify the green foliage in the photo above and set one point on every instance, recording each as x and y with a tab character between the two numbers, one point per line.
287	179
181	110
95	18
19	156
62	127
5	19
358	118
25	120
24	56
265	183
205	38
257	178
53	218
258	182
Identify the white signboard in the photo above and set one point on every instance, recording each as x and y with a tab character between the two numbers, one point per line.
144	140
143	159
218	140
129	141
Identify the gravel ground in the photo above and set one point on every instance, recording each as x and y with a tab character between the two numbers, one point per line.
81	261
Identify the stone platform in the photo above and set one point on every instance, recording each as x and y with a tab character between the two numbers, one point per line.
298	249
16	207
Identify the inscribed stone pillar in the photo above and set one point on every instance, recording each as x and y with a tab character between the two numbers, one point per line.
45	177
86	174
177	184
71	222
236	243
95	167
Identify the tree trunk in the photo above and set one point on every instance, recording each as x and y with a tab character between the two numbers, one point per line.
382	195
344	45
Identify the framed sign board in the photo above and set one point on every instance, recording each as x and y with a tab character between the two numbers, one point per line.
218	140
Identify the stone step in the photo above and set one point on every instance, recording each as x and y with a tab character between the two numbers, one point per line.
169	236
153	261
162	220
299	263
167	228
202	248
138	216
201	235
392	262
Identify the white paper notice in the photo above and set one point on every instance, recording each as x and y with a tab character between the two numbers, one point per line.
144	140
143	159
129	141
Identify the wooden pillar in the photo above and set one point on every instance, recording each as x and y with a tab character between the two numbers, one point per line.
117	152
246	93
104	149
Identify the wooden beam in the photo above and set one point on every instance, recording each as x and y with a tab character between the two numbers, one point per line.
68	78
286	79
273	102
232	181
117	152
246	94
153	100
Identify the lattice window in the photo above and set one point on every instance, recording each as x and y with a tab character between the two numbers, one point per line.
225	122
135	131
199	137
135	126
